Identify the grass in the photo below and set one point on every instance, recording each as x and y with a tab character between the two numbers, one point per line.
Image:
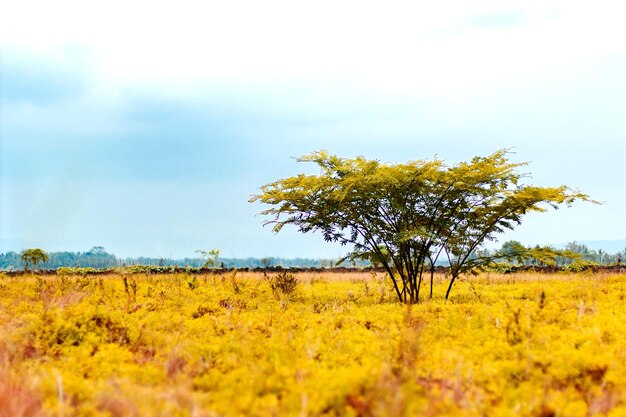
339	344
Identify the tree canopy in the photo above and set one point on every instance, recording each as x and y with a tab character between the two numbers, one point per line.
33	257
210	257
409	216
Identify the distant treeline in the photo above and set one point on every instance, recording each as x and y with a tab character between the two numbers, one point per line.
598	256
587	255
99	258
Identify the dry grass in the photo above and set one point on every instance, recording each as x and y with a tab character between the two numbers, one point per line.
19	395
228	345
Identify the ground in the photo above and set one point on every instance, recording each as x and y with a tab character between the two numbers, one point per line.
336	344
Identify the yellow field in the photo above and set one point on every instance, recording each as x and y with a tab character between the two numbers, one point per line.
163	345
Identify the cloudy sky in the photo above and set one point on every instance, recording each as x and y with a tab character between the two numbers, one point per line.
144	127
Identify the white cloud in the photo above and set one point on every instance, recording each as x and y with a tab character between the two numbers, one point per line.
435	49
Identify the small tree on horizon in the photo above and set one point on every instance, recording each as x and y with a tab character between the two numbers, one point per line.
33	256
210	257
409	216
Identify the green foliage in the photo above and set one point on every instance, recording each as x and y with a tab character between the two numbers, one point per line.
410	216
96	257
76	271
150	269
518	254
210	257
580	265
500	268
596	256
33	257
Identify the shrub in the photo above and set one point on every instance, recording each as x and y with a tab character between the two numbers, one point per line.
282	283
68	270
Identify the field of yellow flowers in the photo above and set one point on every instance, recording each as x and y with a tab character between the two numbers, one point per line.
242	344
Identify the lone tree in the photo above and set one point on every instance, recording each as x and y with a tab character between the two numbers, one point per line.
210	257
33	257
409	216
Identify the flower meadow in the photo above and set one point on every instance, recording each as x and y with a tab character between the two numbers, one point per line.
311	344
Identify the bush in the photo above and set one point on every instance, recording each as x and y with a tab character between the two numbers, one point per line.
500	268
282	283
151	269
580	265
76	271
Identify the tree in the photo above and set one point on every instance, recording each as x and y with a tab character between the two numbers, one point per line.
410	216
210	257
511	250
97	250
538	255
33	256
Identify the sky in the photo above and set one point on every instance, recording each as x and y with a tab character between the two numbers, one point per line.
144	127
